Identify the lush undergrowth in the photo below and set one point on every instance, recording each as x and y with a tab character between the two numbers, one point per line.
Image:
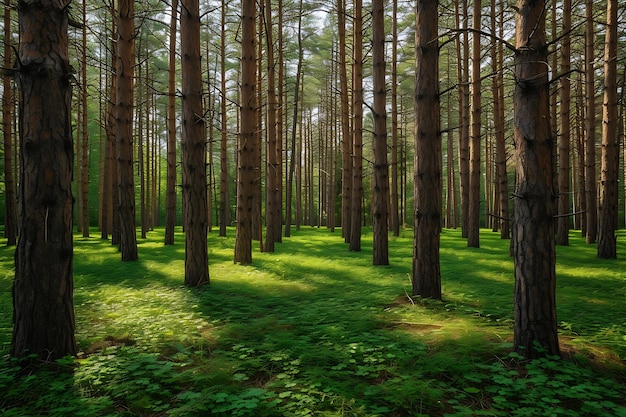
315	330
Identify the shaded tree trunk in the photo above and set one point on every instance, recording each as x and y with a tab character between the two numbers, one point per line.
10	202
43	311
380	197
426	277
224	191
357	130
193	148
84	146
394	215
124	129
535	206
246	173
346	136
607	239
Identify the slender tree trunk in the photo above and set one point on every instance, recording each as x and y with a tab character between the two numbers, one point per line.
193	148
272	209
607	239
380	197
394	216
10	209
464	109
43	310
428	166
357	130
563	222
473	219
346	136
246	174
591	197
170	187
535	204
84	182
124	128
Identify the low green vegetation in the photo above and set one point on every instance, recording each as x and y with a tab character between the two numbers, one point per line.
315	330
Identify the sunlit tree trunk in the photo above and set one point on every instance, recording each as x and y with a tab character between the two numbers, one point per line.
535	194
246	174
170	186
563	222
380	197
124	128
607	239
10	209
346	136
357	130
43	311
193	148
426	277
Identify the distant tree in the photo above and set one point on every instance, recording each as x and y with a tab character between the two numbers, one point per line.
10	209
124	128
426	277
193	148
43	310
246	173
357	130
607	239
535	203
170	186
380	195
591	198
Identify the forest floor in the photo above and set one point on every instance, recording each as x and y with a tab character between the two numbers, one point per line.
316	330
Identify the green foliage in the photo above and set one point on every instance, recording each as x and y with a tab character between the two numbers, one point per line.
314	330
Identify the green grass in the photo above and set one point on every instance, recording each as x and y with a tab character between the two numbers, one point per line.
314	329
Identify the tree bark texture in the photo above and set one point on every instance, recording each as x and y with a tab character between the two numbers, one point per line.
124	129
591	197
356	203
43	312
224	191
193	148
346	135
10	200
428	159
607	239
535	194
380	195
170	187
246	172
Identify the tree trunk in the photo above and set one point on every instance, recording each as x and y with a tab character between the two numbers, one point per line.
428	159
563	222
473	218
170	187
43	311
357	130
193	148
246	177
591	197
394	215
10	201
84	180
607	240
346	136
380	197
533	227
224	189
464	116
124	128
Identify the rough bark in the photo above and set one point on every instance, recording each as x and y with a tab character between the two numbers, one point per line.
10	201
224	191
124	129
394	215
346	141
607	239
535	194
246	173
43	311
591	198
193	148
426	277
357	130
380	196
170	186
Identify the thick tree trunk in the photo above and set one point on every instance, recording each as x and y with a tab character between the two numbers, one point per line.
246	173
124	129
428	165
535	196
193	148
10	201
170	187
380	197
43	311
607	239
